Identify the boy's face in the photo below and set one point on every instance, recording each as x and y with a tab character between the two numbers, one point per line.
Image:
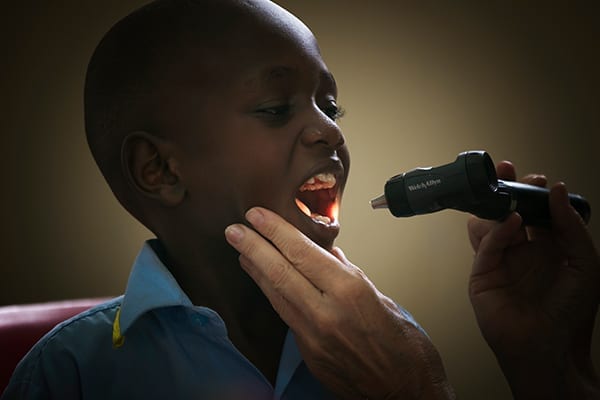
255	127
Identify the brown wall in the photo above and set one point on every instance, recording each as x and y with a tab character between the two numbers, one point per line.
420	84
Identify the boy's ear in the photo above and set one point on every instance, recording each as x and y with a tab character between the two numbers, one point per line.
150	169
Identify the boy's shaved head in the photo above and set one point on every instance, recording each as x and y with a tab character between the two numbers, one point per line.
197	110
134	70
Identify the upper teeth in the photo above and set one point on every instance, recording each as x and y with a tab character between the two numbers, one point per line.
318	182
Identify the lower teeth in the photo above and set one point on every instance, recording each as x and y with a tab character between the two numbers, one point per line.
321	218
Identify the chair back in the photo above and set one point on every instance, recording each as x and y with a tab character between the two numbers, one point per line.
21	326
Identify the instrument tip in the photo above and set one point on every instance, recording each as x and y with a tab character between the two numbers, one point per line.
379	202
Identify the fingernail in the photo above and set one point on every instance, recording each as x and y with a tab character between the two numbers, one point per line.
234	234
255	216
563	186
564	192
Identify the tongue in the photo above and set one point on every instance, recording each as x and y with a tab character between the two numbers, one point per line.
316	217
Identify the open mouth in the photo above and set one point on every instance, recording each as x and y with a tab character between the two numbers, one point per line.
318	198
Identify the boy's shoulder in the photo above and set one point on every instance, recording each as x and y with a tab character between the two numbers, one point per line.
84	327
58	352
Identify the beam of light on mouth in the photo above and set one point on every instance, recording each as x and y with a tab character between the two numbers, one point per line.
303	207
334	211
329	216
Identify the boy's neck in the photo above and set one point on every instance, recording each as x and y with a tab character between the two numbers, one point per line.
211	276
209	273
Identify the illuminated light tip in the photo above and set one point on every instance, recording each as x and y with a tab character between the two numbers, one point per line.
334	211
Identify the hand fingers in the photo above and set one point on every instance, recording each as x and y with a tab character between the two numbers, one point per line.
493	244
534	233
478	228
582	269
569	229
272	272
319	266
535	179
339	254
291	264
506	170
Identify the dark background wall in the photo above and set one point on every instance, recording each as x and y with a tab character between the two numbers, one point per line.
420	82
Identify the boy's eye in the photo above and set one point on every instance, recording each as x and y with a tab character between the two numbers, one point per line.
333	111
282	112
278	111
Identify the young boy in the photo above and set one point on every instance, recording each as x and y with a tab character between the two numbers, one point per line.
195	112
219	116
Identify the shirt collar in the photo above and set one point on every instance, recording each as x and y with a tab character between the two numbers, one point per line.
150	286
289	362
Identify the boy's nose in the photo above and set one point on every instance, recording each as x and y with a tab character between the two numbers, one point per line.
327	133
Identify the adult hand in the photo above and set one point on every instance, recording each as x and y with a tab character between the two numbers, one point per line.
535	294
354	339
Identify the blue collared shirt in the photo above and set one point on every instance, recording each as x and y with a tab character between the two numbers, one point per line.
152	343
